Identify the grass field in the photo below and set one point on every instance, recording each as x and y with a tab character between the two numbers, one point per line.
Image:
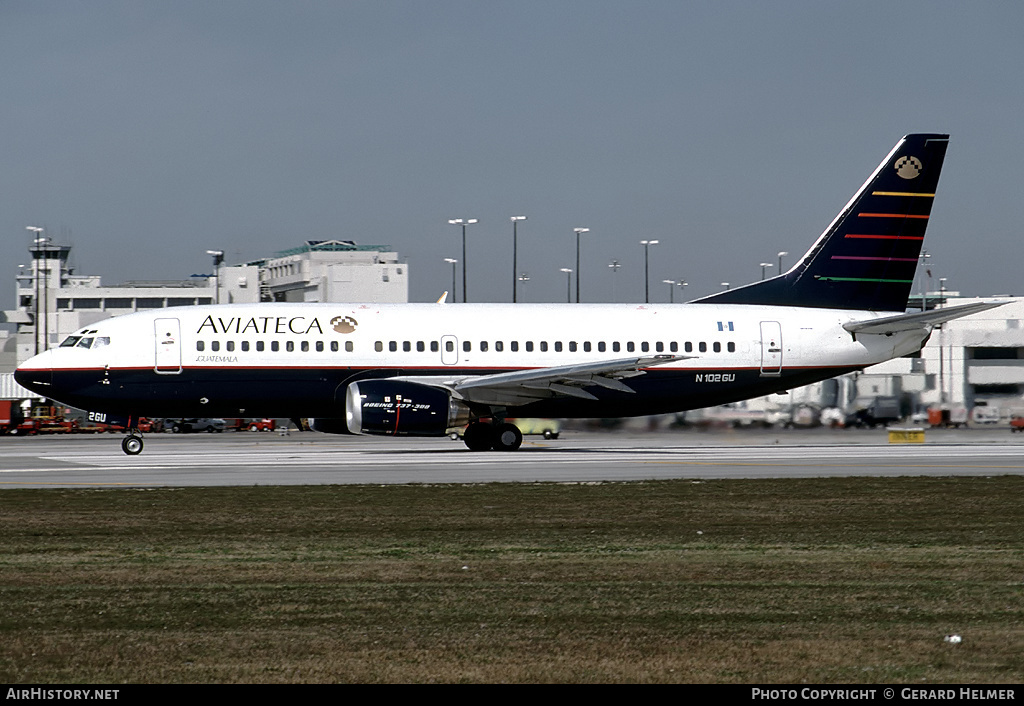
831	580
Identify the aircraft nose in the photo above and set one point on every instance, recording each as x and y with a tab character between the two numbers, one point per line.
36	373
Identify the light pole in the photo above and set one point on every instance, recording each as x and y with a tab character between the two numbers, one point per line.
764	266
726	285
568	284
942	347
646	244
782	254
922	261
578	231
35	255
515	249
452	261
614	265
682	288
218	258
671	292
463	222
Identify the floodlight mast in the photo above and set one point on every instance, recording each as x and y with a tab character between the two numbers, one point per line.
463	222
578	232
515	247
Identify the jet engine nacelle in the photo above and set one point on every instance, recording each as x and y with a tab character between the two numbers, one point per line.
400	408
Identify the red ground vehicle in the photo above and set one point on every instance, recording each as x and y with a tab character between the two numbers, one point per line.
10	416
261	425
1017	423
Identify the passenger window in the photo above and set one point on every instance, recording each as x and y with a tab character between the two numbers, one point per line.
688	347
420	346
449	346
558	346
434	348
543	346
467	346
304	346
259	346
275	346
215	345
378	346
572	346
483	346
529	346
732	347
600	347
199	345
674	347
702	347
348	346
630	347
319	346
393	346
514	345
407	346
717	346
586	346
289	346
499	346
659	347
616	347
230	346
245	346
645	346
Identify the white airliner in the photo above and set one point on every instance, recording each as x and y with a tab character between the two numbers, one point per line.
423	369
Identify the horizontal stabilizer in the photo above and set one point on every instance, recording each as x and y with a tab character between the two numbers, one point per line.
916	321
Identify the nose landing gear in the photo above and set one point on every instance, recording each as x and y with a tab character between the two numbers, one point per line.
132	444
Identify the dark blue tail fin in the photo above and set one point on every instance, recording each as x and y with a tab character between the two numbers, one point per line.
867	257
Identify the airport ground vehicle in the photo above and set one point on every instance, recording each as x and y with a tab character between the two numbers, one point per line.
10	416
186	425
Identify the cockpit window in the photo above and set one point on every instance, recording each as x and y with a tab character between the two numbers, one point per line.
101	341
70	341
85	343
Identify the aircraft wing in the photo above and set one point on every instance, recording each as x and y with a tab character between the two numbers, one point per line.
922	320
524	386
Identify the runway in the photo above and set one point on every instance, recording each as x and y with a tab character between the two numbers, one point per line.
238	459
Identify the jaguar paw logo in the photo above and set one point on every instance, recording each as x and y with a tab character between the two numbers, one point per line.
344	324
908	167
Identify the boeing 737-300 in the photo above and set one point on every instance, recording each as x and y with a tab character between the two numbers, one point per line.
424	369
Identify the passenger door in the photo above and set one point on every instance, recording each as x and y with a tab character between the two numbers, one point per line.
771	348
167	336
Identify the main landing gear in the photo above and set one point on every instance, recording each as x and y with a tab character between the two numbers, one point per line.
132	444
481	436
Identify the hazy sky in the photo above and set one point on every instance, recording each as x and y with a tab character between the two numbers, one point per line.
148	132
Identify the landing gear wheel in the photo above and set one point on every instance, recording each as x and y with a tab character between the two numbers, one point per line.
479	436
507	437
132	445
